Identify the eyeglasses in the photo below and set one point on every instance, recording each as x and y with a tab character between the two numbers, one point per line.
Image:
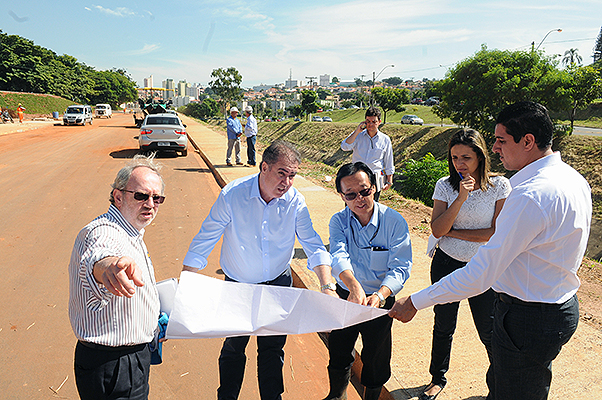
353	195
143	196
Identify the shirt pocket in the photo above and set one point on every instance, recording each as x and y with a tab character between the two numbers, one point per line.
379	260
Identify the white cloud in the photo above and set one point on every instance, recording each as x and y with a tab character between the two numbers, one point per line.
117	12
147	48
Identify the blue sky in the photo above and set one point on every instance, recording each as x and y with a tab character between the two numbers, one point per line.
264	40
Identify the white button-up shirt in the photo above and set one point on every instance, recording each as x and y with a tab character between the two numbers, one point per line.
539	242
259	237
251	126
376	151
97	315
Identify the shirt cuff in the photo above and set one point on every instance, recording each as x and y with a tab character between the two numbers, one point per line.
194	260
421	300
392	284
342	265
321	257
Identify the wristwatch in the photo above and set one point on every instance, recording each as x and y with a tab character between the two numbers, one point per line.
381	297
330	286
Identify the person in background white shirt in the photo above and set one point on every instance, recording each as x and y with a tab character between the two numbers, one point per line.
373	148
259	217
466	205
531	261
113	300
251	134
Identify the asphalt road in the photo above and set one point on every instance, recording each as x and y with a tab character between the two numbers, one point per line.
56	179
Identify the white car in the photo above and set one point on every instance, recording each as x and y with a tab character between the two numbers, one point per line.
76	115
316	119
163	132
411	119
103	110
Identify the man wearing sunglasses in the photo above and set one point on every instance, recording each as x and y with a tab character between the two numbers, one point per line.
113	301
372	147
259	217
371	260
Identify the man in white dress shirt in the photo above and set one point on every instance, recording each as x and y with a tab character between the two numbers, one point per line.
251	134
531	261
373	148
113	299
259	217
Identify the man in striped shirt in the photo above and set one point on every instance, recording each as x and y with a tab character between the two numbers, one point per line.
113	299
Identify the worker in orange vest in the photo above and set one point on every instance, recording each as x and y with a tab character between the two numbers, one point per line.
20	110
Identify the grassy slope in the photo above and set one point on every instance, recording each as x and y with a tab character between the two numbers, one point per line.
34	103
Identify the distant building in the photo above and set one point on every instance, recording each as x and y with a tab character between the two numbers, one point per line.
148	82
325	80
262	87
194	90
179	101
291	83
169	87
182	87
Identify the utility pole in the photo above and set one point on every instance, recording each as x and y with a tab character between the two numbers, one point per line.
311	80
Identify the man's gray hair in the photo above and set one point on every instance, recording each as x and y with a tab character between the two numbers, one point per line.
280	149
125	173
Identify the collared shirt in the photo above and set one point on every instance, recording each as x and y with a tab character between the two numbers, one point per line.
376	151
96	314
259	237
251	126
378	254
233	127
539	241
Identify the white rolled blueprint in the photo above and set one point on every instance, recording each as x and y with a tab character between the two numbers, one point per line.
205	307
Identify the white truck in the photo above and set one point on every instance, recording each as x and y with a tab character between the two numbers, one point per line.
103	110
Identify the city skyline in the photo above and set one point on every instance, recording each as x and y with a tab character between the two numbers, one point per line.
265	40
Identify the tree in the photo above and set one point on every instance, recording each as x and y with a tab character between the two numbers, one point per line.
309	102
390	99
335	79
295	111
598	48
393	81
571	57
584	85
204	110
226	85
359	82
479	87
323	93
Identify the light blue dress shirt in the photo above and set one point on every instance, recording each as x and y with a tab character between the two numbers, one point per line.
233	127
379	254
376	152
259	238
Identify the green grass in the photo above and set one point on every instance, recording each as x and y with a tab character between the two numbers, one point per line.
34	103
356	116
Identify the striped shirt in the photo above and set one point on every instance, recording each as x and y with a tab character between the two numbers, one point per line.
96	314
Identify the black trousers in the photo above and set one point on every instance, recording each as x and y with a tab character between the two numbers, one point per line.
376	352
446	317
103	372
270	360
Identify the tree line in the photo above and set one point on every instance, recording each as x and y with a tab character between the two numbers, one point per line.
26	67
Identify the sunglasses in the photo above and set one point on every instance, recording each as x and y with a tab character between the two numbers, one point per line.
353	195
143	196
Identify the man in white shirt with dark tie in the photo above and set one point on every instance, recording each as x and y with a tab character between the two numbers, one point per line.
259	217
531	261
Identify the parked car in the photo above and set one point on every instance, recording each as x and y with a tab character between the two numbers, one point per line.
76	115
103	110
163	132
432	101
411	119
268	120
316	119
326	119
297	119
417	100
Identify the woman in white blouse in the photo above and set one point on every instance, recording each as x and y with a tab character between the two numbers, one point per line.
466	205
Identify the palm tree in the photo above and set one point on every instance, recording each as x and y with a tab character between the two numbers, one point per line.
571	57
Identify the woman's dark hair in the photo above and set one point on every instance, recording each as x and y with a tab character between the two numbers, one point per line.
474	140
352	169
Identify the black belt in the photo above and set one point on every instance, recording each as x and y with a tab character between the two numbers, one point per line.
130	349
506	298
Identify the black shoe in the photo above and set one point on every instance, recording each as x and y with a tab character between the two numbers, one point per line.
424	396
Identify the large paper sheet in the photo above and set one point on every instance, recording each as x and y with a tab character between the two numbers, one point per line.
205	307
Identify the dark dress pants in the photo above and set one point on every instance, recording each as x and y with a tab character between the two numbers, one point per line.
270	360
526	338
446	317
376	351
112	373
251	150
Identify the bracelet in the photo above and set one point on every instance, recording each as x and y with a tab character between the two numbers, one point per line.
330	286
